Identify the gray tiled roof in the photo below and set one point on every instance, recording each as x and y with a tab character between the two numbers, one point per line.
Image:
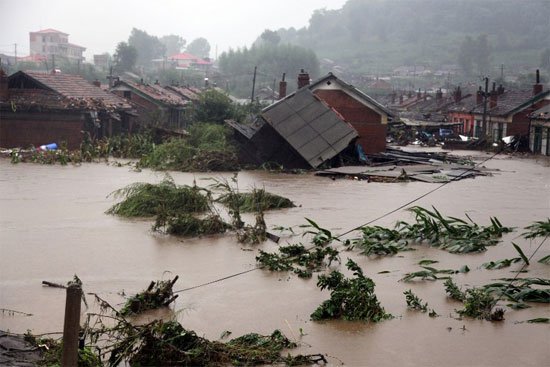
312	128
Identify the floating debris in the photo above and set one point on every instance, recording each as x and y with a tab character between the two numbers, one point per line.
158	294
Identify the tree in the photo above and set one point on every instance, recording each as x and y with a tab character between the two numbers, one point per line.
199	47
213	106
270	37
125	56
173	44
148	47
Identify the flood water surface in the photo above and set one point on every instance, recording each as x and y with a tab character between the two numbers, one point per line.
52	226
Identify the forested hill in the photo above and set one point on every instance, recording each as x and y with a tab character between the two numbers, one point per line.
378	35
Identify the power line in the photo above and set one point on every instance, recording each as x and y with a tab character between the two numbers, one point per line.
353	229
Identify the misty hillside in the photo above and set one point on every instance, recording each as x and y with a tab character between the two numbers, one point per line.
379	35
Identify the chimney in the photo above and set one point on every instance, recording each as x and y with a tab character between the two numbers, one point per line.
303	79
282	87
438	95
418	94
493	98
4	91
97	83
500	90
457	94
537	87
479	96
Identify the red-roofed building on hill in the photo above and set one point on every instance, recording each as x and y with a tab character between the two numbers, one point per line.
41	108
51	42
184	61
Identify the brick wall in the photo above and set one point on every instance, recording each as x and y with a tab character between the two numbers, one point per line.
23	129
367	122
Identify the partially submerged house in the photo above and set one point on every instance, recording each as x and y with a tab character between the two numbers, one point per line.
38	108
156	105
539	137
506	111
314	124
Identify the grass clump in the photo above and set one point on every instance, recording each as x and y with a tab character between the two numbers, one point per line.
187	225
479	304
537	229
257	200
350	298
164	198
415	303
453	291
208	148
158	294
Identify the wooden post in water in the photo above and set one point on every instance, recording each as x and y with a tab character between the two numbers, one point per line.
71	327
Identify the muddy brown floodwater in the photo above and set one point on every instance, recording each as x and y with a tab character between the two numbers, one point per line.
52	226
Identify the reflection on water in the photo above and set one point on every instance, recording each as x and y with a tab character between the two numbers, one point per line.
52	226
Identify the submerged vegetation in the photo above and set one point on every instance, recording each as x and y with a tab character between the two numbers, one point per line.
164	199
257	199
206	149
350	298
452	234
158	294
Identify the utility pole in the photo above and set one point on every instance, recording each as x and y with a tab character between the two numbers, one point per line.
485	95
253	85
502	73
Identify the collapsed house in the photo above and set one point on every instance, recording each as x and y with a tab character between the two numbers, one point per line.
314	124
39	108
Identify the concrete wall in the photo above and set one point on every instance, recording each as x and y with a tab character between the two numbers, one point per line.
368	123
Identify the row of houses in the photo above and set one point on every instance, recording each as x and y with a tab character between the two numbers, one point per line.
38	108
492	115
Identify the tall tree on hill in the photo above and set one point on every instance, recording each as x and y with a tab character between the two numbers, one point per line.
148	47
199	47
125	57
174	44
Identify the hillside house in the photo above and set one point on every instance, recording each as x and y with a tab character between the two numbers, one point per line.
50	42
40	108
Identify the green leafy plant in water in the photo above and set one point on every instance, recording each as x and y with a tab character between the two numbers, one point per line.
520	290
257	199
545	260
499	264
479	304
452	234
380	241
415	303
537	229
453	291
350	298
165	199
158	294
187	225
430	273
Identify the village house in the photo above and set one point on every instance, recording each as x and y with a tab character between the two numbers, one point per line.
315	124
50	42
507	111
183	61
156	106
39	108
539	137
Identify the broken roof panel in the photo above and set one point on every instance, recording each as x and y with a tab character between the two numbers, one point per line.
313	129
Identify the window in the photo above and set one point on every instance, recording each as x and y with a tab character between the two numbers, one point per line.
127	94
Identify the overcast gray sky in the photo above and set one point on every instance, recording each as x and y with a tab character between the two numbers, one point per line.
99	25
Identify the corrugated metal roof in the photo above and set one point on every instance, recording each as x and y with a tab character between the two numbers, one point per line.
313	129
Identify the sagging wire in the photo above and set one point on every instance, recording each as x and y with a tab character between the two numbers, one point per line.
355	228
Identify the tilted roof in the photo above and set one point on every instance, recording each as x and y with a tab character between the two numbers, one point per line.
314	130
70	87
184	92
154	92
